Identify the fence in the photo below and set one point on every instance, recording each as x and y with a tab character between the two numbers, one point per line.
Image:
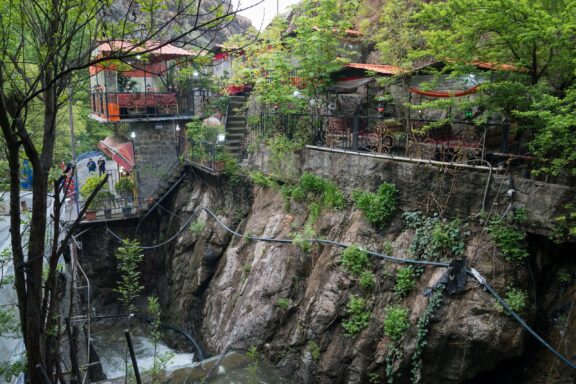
210	156
114	106
415	138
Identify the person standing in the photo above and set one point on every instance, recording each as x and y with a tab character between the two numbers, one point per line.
101	166
91	166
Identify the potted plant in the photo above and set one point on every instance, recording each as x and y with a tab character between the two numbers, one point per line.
100	200
125	189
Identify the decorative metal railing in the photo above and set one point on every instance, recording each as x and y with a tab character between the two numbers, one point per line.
115	106
454	141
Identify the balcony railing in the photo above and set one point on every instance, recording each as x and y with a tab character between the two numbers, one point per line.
452	141
117	106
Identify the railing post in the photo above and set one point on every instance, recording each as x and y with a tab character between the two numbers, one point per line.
355	126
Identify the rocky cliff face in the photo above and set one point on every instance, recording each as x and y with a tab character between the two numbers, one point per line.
291	302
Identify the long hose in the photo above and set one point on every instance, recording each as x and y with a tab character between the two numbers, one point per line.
470	272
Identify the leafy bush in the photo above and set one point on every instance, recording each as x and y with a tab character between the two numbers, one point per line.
197	226
367	280
90	186
359	317
354	260
283	303
509	240
124	186
314	349
435	238
516	298
405	280
262	180
314	188
377	207
303	239
396	322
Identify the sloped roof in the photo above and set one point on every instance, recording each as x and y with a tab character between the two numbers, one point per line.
151	47
378	68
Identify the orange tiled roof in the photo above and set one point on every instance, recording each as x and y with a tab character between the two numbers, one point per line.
119	45
379	68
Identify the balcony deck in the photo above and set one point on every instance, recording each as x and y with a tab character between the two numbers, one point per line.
115	107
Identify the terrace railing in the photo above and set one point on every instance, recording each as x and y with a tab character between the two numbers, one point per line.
455	141
116	106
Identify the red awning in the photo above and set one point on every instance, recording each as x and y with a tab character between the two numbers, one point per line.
120	150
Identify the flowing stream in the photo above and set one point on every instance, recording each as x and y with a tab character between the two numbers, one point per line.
110	344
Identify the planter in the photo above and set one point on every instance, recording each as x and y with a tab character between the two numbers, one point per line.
90	215
219	165
127	211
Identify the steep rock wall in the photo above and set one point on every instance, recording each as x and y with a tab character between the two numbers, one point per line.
230	289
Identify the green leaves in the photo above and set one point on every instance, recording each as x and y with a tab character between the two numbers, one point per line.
359	317
355	260
396	322
377	207
129	257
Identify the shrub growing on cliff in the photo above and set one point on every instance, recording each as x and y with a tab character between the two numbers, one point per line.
359	317
435	238
354	260
377	207
516	299
129	257
396	322
510	240
405	280
262	180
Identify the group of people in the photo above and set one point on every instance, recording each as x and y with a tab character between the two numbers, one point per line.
101	166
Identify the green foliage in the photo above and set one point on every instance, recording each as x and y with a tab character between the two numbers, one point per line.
517	300
377	207
252	367
354	260
283	303
90	185
565	224
282	164
13	368
367	281
160	361
373	378
197	226
405	280
435	238
358	316
388	248
129	256
314	349
396	322
509	239
564	277
124	186
422	332
262	180
303	240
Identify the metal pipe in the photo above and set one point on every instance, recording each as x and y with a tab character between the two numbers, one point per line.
407	159
133	357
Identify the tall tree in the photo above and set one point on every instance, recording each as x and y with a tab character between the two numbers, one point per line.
44	47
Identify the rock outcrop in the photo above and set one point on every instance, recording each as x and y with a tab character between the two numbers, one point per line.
291	303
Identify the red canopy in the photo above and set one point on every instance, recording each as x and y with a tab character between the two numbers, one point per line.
120	150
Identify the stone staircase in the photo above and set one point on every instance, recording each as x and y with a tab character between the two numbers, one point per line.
236	125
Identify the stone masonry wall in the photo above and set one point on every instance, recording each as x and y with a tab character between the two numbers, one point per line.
156	153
